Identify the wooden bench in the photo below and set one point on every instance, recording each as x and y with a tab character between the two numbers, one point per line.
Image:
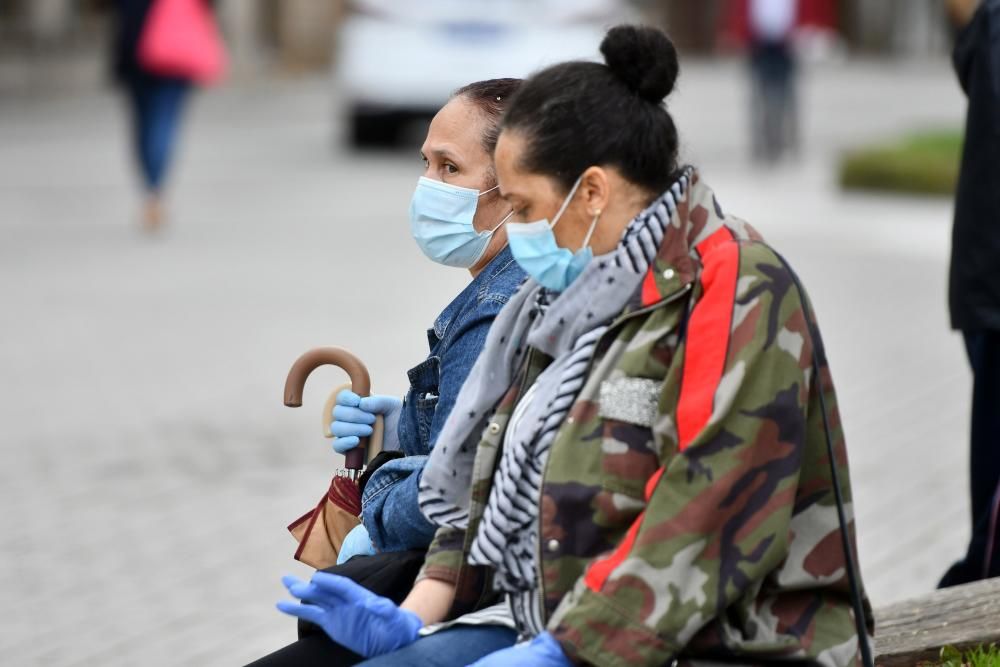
909	632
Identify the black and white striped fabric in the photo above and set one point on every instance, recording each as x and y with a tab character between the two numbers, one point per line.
507	539
498	614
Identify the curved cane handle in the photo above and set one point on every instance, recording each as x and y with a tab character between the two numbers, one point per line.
360	384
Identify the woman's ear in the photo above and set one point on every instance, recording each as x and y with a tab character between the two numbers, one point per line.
595	190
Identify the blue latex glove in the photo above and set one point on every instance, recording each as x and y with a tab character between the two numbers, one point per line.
353	417
356	543
351	615
542	651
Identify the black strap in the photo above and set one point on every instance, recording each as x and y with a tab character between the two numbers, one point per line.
852	569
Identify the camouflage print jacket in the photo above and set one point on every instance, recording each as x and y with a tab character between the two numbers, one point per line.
707	532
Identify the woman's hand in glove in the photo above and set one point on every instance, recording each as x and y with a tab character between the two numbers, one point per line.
351	615
353	417
542	651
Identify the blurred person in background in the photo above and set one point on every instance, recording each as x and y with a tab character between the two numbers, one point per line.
974	283
156	72
650	435
773	103
772	32
457	218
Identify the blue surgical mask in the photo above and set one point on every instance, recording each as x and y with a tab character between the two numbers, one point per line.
534	247
441	223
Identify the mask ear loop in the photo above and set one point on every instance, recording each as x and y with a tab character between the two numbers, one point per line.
590	232
505	219
565	204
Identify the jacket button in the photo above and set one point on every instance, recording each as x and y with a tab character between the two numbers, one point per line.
494	428
668	274
552	545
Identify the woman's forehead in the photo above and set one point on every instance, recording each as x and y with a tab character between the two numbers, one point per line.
507	154
456	130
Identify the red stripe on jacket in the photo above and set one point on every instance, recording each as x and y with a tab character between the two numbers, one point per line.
707	340
707	345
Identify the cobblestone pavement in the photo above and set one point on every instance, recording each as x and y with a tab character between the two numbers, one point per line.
148	466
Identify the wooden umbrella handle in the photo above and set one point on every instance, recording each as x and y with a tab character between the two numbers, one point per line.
361	385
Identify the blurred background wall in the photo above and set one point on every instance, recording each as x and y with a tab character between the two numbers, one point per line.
298	34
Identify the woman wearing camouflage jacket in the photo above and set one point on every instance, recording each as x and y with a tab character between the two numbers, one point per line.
643	432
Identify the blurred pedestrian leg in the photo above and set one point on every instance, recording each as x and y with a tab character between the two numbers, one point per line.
160	48
156	104
773	112
983	348
773	104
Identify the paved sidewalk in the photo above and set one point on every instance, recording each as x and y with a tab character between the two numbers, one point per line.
148	467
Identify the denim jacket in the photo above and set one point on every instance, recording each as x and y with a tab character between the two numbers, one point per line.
389	505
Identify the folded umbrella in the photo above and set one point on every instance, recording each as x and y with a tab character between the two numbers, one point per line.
321	531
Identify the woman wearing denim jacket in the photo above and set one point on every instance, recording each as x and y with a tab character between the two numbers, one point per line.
457	218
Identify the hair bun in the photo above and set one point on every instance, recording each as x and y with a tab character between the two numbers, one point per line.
644	58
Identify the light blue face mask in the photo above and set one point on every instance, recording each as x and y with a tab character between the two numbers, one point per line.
534	247
441	223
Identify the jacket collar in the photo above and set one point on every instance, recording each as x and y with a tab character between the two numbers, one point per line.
697	224
473	291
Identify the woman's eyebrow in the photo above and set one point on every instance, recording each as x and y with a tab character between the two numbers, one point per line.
444	154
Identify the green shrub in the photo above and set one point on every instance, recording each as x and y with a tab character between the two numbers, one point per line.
980	656
925	163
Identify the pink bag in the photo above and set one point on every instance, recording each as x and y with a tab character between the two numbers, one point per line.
180	38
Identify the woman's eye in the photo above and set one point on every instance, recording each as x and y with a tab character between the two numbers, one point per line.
450	168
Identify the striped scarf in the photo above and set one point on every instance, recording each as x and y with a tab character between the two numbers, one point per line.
508	533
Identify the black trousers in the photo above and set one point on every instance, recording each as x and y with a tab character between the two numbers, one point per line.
982	560
773	103
389	574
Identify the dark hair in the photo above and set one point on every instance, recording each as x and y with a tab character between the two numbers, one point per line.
577	114
490	97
